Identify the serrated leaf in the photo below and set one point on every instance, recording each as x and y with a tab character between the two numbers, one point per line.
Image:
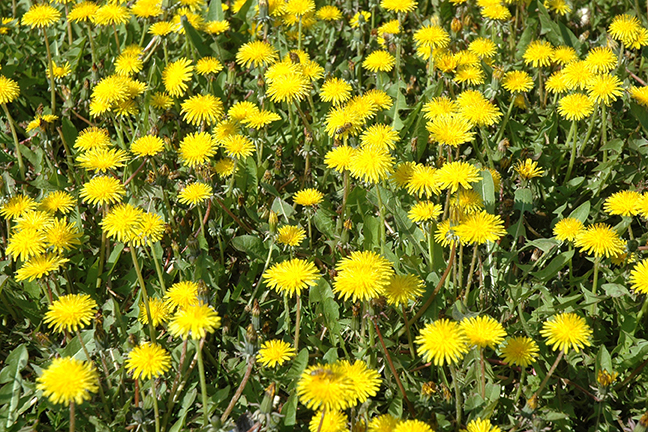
523	200
250	245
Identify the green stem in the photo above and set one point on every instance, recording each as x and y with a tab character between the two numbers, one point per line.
203	383
116	38
518	392
590	129
100	387
604	131
571	136
597	262
297	322
202	224
483	373
310	229
551	371
156	409
158	270
430	239
502	126
102	251
144	294
381	213
50	64
458	399
92	45
409	332
473	261
299	33
21	164
72	416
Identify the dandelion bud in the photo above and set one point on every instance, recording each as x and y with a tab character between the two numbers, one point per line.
256	314
456	25
272	221
605	378
268	398
519	101
250	340
532	402
429	388
348	224
263	9
498	73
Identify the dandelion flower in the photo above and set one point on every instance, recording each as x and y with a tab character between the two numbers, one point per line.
557	83
299	8
640	94
442	341
60	201
322	386
17	206
480	228
176	75
68	380
467	202
624	203
528	169
128	64
217	27
452	175
403	288
600	240
290	87
604	88
438	106
379	135
329	13
202	108
371	164
379	61
625	28
70	312
92	138
412	426
195	193
362	275
469	74
196	148
148	145
482	47
38	266
432	36
339	158
445	233
330	421
520	351
292	276
568	229
275	353
159	309
364	381
483	331
208	65
9	90
383	423
260	119
496	11
102	190
238	146
481	425
564	55
335	90
423	181
398	5
308	197
359	18
41	16
161	28
83	12
102	159
477	109
639	277
451	130
577	75
26	243
34	219
148	360
61	235
225	167
575	106
601	60
150	230
424	211
290	235
517	81
538	53
122	222
566	331
182	295
257	53
111	14
196	321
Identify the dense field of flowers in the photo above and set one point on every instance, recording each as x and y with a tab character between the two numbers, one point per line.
261	215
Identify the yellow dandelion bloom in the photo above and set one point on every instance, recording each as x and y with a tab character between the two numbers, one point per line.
568	229
379	61
575	106
111	14
102	159
200	109
432	36
323	386
41	15
329	13
483	331
600	240
275	353
605	88
449	129
425	211
196	321
339	158
566	331
289	87
182	295
639	277
517	81
371	164
290	235
480	228
91	138
528	169
335	90
68	380
520	351
38	266
148	360
362	275
308	197
403	288
438	106
538	53
195	193
624	203
70	312
160	311
9	90
59	201
328	421
457	174
176	75
292	276
61	235
83	12
640	94
123	222
102	190
26	243
422	181
150	230
601	60
257	53
442	341
379	135
238	146
196	148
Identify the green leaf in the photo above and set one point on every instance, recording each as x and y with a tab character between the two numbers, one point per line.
324	222
282	208
581	212
299	364
215	11
194	37
554	266
289	410
523	200
69	131
641	114
250	245
486	189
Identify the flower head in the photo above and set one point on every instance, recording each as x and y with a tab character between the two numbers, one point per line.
538	53
605	88
442	341
26	243
59	201
450	129
102	159
290	235
329	13
424	211
328	421
379	61
111	14
148	360
195	193
292	276
600	240
17	206
68	380
528	169
182	295
196	321
519	351
601	60
431	36
41	15
339	158
38	266
568	229
566	331
480	228
102	190
149	231
398	5
308	197
323	386
275	353
517	81
257	53
176	75
423	181
575	106
452	175
403	288
335	90
70	312
196	148
477	109
371	164
123	222
481	425
624	203
639	277
380	135
483	331
364	381
238	146
362	275
625	28
202	109
383	423
288	87
412	426
91	138
83	12
61	235
159	309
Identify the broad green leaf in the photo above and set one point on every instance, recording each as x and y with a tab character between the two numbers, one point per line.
581	212
194	37
486	189
215	11
554	266
250	245
523	200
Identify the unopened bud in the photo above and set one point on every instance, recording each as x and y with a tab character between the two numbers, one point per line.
272	221
456	25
